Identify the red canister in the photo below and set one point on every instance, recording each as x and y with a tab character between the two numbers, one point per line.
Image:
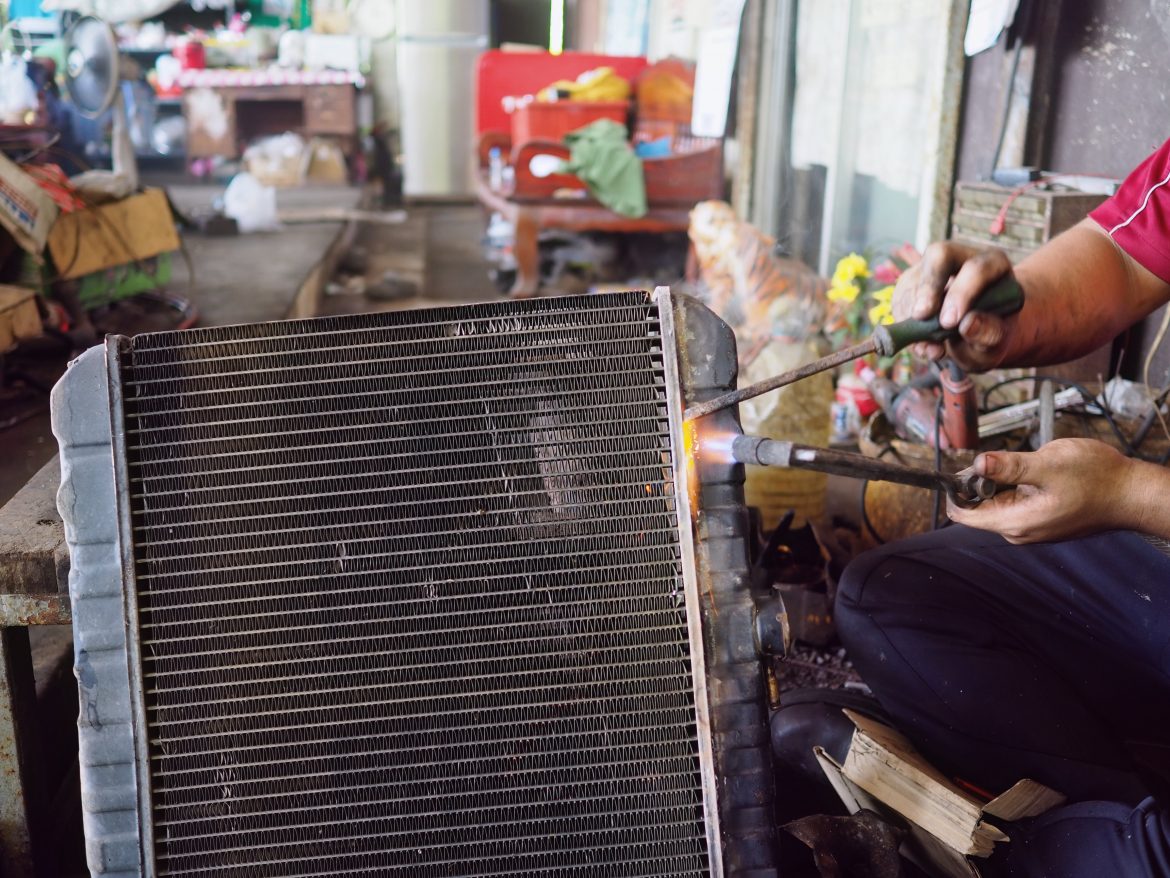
190	54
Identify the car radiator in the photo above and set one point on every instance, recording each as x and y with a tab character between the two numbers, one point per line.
425	593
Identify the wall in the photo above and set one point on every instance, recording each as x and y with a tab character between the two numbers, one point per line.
1109	100
525	22
383	82
872	92
674	27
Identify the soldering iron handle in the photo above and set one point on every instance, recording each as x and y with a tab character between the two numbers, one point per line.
1003	298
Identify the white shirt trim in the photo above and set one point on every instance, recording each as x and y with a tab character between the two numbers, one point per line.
1143	206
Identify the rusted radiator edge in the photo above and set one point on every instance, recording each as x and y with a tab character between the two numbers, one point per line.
735	678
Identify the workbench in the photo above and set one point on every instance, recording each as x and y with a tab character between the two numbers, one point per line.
227	109
34	590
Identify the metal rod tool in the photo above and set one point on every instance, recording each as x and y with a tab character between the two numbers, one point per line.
965	488
1002	298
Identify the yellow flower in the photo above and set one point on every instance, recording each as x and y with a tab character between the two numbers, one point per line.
844	291
883	311
850	268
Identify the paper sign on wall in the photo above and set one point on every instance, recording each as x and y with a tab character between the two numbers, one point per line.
985	22
718	45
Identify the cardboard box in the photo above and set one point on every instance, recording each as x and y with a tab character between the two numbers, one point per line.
19	316
325	162
25	210
949	827
113	234
330	17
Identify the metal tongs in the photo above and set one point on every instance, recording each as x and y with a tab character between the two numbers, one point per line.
965	488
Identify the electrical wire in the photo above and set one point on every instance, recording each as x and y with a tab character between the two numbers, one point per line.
1158	339
1090	399
1008	100
865	520
938	405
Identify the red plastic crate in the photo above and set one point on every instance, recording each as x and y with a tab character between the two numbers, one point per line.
499	73
538	120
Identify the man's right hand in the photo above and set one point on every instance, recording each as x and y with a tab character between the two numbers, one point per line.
946	282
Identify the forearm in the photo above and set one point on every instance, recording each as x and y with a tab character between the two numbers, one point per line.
1148	499
1080	290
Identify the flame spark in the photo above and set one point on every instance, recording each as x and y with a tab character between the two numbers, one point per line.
708	444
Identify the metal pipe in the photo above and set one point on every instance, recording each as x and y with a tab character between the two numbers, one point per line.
964	488
735	397
1047	431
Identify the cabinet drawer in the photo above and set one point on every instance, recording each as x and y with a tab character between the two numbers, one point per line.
329	109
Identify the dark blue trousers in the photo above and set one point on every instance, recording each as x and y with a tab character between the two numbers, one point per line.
1047	661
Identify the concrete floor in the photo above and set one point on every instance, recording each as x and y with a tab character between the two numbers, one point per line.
253	278
437	249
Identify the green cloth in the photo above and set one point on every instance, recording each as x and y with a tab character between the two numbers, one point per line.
601	156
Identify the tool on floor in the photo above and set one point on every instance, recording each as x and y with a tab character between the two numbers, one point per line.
965	488
1002	298
911	409
914	408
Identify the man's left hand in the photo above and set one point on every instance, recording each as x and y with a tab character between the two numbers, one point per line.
1069	488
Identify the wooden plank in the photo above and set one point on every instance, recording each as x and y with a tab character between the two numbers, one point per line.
1017	234
33	556
1015	254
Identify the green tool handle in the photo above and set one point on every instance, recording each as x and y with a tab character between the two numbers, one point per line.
1003	298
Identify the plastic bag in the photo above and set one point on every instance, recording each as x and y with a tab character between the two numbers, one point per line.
251	204
18	95
280	160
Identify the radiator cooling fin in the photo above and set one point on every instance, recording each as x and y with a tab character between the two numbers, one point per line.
410	597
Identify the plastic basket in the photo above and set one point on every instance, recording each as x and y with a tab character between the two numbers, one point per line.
539	120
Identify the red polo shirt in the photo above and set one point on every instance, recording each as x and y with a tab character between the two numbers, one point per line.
1137	217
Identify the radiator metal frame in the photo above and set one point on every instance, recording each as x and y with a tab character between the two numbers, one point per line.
115	345
699	362
686	523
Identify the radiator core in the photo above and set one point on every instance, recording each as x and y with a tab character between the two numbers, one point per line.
404	594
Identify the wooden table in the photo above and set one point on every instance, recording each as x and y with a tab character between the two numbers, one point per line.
226	109
674	184
34	590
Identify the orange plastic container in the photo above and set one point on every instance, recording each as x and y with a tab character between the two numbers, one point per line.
539	120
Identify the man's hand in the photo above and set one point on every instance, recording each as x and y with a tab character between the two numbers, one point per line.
1080	290
946	282
1069	488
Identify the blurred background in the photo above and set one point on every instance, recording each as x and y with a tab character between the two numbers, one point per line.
172	163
